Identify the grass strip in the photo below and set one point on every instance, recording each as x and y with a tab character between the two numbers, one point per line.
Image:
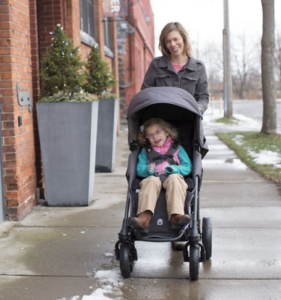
249	145
227	120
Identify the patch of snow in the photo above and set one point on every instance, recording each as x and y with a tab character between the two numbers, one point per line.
266	157
109	282
111	276
233	163
238	139
249	122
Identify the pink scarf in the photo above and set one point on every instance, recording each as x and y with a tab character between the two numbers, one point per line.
163	150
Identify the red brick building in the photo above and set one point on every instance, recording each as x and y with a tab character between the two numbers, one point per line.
25	27
135	50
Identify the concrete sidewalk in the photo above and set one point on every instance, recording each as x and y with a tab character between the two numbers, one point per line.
67	253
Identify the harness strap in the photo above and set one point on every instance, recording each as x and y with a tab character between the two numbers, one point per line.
163	157
158	158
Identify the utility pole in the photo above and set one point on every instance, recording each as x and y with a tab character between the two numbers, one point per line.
226	65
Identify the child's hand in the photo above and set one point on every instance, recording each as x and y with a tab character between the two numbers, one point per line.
151	167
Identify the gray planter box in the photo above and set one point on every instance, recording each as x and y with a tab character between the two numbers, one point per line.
68	133
106	136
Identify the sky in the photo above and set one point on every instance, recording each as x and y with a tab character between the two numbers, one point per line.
203	19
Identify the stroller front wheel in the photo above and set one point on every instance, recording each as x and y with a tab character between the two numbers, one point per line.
194	262
207	237
126	260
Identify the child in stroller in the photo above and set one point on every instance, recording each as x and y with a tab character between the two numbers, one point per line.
161	161
180	109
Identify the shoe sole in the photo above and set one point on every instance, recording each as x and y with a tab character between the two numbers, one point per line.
183	221
136	225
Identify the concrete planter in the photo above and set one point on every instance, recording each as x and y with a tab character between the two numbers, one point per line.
106	136
68	133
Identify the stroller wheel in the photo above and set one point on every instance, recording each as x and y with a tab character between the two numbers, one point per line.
194	262
126	260
207	237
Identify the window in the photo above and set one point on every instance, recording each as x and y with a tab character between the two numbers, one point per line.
107	38
87	22
107	33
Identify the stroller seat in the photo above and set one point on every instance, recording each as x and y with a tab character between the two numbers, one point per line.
159	225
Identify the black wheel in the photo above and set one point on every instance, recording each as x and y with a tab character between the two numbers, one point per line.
126	260
207	237
194	259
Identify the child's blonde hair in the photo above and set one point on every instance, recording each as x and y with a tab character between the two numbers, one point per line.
170	129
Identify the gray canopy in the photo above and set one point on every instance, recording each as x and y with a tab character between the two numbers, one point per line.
169	103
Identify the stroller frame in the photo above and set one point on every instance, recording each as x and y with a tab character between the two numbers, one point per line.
198	246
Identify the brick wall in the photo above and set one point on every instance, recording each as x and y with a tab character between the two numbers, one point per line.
50	13
73	21
25	27
17	141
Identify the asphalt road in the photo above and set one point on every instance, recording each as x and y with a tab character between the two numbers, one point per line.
254	109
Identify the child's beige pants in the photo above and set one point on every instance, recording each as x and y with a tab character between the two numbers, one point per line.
175	187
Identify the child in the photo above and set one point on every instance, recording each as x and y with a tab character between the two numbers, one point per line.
160	156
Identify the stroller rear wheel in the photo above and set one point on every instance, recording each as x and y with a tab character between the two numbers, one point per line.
207	237
194	262
126	260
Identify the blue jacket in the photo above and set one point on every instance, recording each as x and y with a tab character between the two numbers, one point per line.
183	169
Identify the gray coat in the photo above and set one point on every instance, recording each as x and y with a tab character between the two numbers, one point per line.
192	78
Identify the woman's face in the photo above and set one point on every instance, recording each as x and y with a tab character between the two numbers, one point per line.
175	43
156	135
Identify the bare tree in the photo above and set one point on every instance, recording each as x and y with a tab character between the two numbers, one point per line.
278	57
241	61
245	74
267	58
211	55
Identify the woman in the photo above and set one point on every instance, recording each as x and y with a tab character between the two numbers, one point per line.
177	67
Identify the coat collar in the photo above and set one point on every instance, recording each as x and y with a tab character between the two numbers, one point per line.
165	63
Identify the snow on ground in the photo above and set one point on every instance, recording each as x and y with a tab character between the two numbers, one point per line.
243	124
238	140
108	282
266	157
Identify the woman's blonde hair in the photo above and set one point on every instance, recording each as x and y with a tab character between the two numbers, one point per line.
170	129
166	30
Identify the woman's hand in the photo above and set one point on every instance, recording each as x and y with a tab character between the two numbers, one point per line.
151	167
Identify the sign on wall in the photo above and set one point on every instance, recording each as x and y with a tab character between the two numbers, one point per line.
115	8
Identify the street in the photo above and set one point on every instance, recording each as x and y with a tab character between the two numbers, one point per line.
252	109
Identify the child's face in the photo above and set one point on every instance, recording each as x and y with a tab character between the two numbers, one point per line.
156	135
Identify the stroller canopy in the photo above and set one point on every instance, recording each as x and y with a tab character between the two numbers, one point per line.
160	95
168	103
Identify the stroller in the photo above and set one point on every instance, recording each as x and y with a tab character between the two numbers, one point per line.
179	108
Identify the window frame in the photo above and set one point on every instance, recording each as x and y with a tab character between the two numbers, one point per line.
87	19
107	37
